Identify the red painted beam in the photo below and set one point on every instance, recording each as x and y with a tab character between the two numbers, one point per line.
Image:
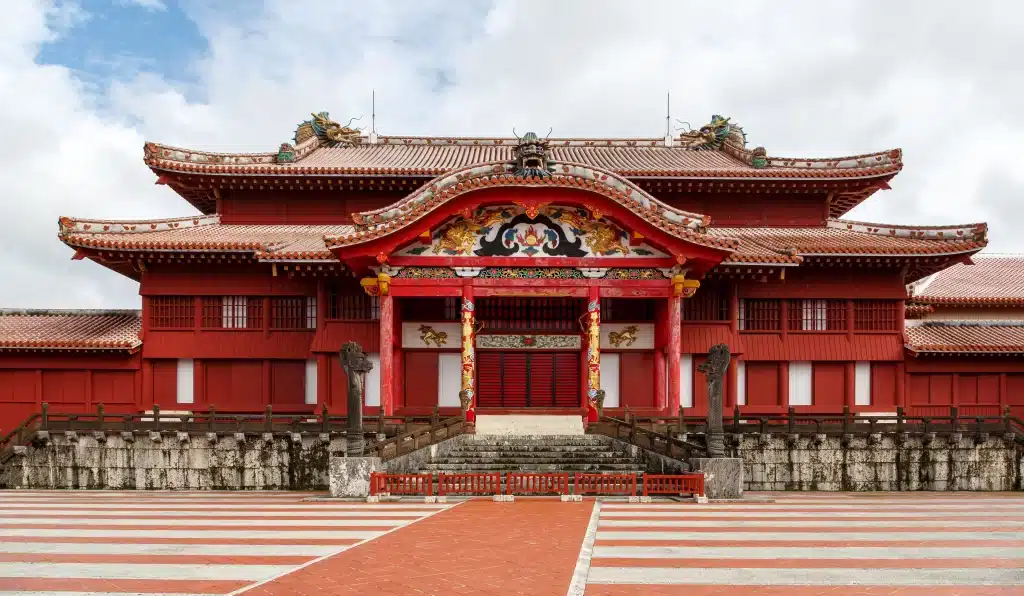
638	262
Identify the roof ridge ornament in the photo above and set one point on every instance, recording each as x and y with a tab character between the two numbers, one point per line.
531	155
713	135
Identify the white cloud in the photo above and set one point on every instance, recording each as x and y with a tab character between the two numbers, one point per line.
147	4
803	78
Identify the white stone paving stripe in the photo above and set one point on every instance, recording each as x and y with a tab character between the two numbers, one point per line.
189	534
186	522
159	571
240	513
20	593
113	548
805	552
804	536
695	513
964	506
959	526
578	585
806	576
242	507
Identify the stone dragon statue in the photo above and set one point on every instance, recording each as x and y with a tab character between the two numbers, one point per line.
713	135
714	369
327	130
356	365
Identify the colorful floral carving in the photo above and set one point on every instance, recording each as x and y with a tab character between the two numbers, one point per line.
593	348
468	354
536	342
622	273
531	273
426	272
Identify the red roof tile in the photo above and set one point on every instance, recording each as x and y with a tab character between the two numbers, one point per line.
966	337
203	234
839	237
427	156
990	281
70	329
757	245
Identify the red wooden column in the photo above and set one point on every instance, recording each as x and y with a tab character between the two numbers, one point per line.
659	380
387	347
675	341
850	388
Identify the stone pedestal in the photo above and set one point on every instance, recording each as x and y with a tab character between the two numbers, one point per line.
350	476
723	476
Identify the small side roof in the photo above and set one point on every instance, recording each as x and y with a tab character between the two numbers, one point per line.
965	337
103	330
996	280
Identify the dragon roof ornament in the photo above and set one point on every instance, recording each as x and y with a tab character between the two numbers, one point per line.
531	156
713	135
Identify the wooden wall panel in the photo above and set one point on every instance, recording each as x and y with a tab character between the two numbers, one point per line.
288	383
65	389
883	384
115	389
762	384
165	383
829	384
420	379
18	397
232	385
1015	394
636	379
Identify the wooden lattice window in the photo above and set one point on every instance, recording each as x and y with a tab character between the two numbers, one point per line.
431	309
626	310
710	303
876	315
760	315
172	312
530	314
817	315
232	312
297	312
347	301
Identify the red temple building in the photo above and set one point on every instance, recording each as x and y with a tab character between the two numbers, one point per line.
524	275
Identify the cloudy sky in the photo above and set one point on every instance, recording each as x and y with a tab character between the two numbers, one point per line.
85	83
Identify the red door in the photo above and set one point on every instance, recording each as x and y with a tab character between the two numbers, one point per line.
527	379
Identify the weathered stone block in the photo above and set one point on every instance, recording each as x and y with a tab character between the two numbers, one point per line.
723	476
350	476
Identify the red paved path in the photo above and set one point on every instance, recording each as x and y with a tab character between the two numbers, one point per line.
479	547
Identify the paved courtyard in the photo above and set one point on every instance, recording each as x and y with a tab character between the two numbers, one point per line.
276	543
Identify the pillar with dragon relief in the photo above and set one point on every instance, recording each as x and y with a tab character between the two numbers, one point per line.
593	333
467	393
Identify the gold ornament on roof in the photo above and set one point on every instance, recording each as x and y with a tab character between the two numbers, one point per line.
328	131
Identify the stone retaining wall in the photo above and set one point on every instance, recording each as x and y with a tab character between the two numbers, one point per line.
173	461
883	462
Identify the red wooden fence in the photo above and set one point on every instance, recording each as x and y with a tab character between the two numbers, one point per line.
401	484
604	484
544	484
472	484
676	484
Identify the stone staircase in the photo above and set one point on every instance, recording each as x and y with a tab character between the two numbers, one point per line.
535	453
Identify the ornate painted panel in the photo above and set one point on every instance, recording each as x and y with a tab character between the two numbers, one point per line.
431	336
528	342
550	231
627	336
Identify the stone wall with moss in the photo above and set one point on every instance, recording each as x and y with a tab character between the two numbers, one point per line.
882	462
173	461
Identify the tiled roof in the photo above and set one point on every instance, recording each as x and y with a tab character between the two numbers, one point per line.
761	245
428	156
990	281
965	337
203	234
840	237
70	329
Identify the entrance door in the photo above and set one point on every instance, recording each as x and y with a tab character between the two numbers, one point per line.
526	379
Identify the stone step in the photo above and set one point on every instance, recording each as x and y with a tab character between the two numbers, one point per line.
522	461
553	467
584	441
529	424
535	452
